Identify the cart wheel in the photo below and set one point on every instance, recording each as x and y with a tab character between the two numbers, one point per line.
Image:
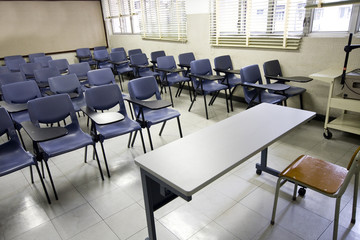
258	171
327	134
302	192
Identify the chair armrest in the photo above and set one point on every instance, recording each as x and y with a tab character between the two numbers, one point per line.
38	134
274	87
42	84
49	93
101	59
102	118
290	79
15	107
207	77
153	105
141	66
119	63
174	70
227	71
184	65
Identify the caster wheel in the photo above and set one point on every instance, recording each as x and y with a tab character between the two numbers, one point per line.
258	171
327	134
302	192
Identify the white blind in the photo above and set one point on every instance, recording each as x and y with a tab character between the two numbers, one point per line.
163	20
257	23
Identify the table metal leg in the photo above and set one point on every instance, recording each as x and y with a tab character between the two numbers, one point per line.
263	165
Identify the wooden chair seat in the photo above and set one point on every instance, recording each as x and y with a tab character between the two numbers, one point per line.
315	173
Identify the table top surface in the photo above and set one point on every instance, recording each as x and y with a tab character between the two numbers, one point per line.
327	75
192	162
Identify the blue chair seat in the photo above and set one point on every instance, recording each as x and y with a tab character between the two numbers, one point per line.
157	116
148	73
19	158
293	91
268	97
116	129
233	81
75	139
211	86
176	78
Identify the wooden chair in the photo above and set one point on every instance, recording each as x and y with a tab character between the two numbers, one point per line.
321	176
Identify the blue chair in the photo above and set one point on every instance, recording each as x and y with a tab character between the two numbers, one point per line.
254	90
53	109
44	61
42	77
134	51
61	64
184	61
84	55
80	70
222	65
170	75
12	156
100	77
272	68
4	69
205	83
120	65
146	88
69	84
29	68
20	93
103	98
141	68
32	56
13	62
102	59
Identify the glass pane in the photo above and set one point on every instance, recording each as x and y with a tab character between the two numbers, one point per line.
125	24
332	18
115	25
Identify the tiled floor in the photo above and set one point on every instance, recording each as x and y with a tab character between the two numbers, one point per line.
237	206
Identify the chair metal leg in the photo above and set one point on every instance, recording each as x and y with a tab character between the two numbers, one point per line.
295	191
301	101
129	142
51	180
206	111
179	125
105	160
85	155
356	187
162	128
227	103
43	184
133	141
98	161
336	218
31	174
171	97
142	141
121	78
278	185
149	135
192	102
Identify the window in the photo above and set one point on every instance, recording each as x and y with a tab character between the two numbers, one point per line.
257	23
332	19
123	16
163	20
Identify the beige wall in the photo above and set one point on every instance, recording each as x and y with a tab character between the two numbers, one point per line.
315	54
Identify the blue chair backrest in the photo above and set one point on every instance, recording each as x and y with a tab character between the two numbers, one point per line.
7	126
83	52
65	84
80	69
42	75
61	64
105	97
11	77
44	61
14	64
4	69
140	59
99	48
101	54
29	68
6	58
272	68
20	92
119	49
155	55
250	74
200	67
134	51
51	109
166	62
100	77
223	62
32	56
186	58
144	88
119	56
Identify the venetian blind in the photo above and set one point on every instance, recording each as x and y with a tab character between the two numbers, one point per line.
163	20
257	23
